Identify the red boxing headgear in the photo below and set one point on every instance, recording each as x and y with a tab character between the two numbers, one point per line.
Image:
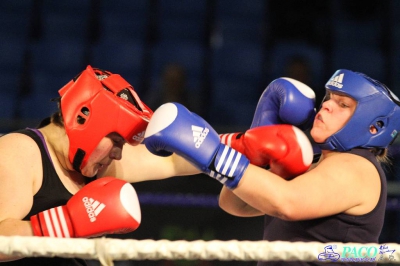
95	104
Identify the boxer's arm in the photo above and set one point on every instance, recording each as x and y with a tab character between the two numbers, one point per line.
284	148
17	184
232	204
325	190
137	160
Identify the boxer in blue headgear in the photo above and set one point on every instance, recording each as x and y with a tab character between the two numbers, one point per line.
341	197
376	119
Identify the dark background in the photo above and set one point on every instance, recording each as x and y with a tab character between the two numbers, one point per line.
230	51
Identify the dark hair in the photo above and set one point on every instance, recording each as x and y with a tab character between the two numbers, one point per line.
381	155
55	118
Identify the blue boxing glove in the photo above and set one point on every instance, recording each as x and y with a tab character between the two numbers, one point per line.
285	101
174	129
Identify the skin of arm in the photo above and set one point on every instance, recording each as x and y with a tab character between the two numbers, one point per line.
20	164
20	184
138	164
327	189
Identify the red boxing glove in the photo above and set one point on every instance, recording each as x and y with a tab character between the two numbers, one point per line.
285	148
104	206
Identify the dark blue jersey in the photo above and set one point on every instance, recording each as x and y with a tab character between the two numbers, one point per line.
336	228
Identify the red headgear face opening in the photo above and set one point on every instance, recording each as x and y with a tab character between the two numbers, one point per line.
95	104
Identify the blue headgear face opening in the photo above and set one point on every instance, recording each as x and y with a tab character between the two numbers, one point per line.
376	107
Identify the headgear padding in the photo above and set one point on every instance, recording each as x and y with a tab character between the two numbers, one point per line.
95	104
376	107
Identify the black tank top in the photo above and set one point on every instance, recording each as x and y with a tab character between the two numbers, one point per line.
336	228
51	194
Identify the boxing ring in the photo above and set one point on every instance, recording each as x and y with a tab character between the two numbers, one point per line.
108	250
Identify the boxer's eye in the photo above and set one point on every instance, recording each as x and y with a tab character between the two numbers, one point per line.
327	96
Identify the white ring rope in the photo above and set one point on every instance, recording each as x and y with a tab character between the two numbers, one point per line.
106	250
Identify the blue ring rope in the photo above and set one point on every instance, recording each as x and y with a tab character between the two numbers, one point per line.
209	200
179	200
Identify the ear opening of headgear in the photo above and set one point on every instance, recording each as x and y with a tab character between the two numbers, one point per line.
96	103
377	107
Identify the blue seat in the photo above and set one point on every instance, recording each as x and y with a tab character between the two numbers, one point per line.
10	82
15	18
58	55
120	28
239	61
134	8
357	33
282	52
183	8
231	104
362	59
182	20
17	7
8	103
232	116
182	29
124	20
189	54
14	27
9	93
394	7
10	79
57	26
43	81
36	106
54	62
79	7
231	29
395	44
124	58
12	54
252	10
240	21
394	83
237	81
65	19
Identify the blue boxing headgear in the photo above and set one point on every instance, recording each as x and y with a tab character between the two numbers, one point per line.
376	107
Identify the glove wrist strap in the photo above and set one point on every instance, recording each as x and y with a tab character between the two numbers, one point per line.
228	166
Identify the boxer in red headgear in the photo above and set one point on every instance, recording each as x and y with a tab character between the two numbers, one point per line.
95	104
71	176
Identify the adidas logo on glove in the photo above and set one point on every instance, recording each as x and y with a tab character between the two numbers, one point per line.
199	135
93	208
139	137
337	81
